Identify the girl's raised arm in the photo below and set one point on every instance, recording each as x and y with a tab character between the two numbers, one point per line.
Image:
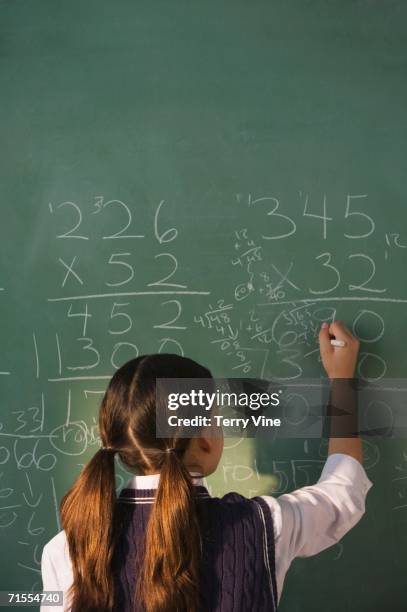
340	363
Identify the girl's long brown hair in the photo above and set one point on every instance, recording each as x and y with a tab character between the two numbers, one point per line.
169	580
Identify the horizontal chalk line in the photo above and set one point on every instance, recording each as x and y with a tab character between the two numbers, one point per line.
334	298
124	294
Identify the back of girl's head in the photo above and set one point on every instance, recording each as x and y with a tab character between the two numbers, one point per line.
127	424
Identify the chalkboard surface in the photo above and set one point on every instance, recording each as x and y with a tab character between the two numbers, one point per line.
212	179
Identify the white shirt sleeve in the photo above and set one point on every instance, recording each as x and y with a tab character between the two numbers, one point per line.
49	579
315	517
56	572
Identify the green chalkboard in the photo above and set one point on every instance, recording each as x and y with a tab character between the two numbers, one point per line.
212	179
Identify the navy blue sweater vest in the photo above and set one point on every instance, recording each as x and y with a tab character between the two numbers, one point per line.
237	566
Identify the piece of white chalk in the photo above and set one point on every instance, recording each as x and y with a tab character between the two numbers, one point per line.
340	343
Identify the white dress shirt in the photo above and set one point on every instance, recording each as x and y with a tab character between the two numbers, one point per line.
306	521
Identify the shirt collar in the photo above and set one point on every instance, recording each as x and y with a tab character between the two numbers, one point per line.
150	481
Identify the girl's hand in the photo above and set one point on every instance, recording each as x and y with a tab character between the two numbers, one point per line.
339	362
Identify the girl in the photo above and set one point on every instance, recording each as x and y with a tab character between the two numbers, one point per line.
166	545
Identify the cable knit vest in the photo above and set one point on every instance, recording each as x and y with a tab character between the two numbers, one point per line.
237	566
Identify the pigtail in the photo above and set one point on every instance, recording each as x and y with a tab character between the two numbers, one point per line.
170	576
87	518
